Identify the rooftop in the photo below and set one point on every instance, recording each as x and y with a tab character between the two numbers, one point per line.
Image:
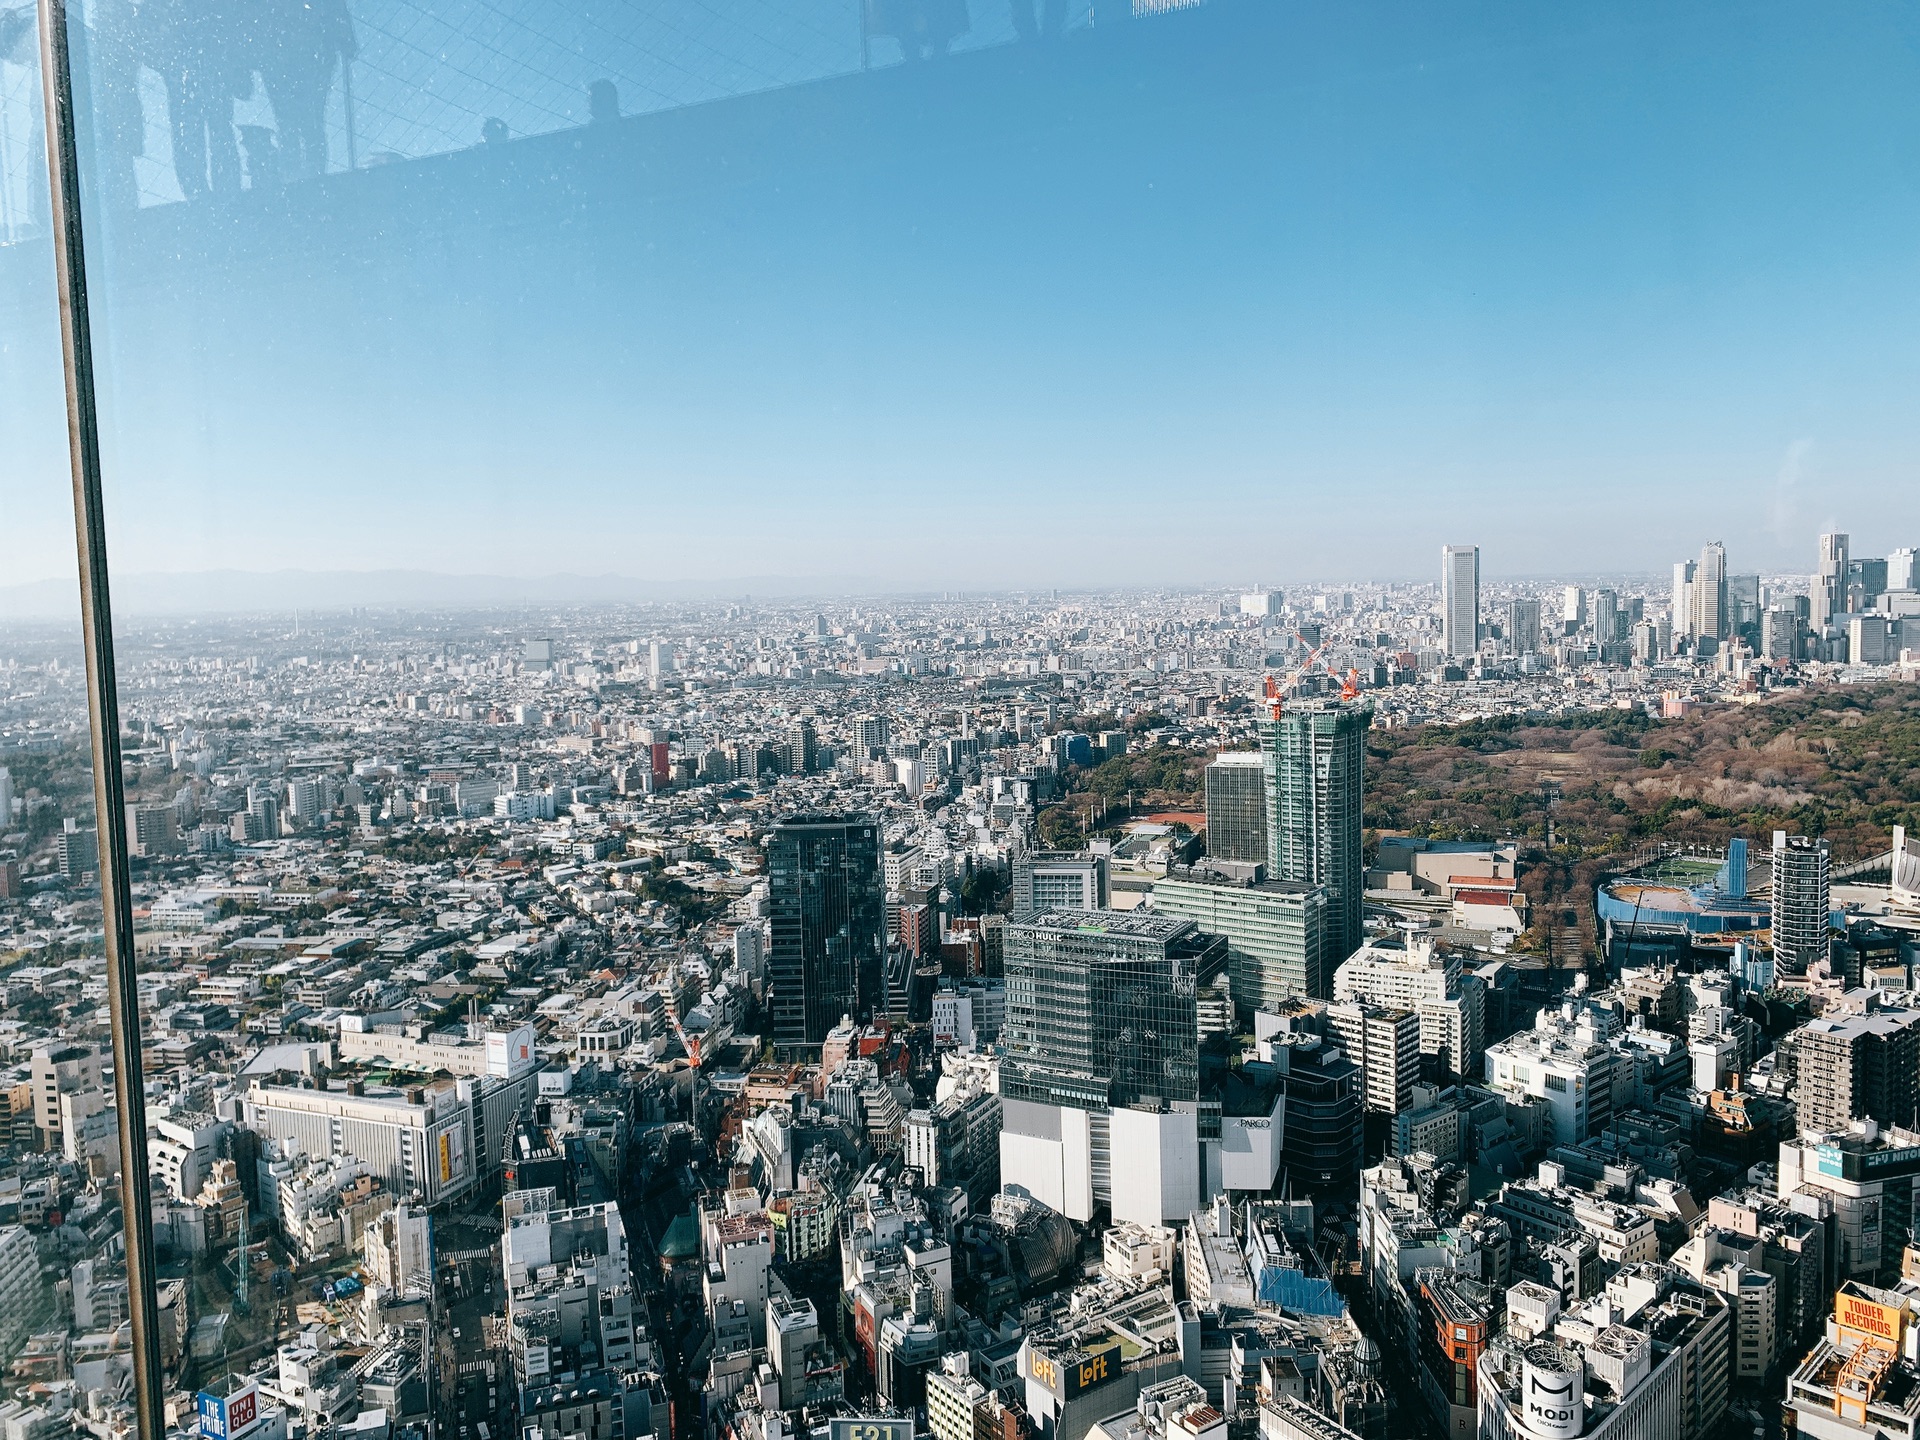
1131	924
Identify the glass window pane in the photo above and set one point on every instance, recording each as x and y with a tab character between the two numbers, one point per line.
554	446
63	1287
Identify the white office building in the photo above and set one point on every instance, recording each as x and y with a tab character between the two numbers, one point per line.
1564	1060
1418	975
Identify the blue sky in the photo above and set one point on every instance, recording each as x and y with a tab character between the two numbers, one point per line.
1254	291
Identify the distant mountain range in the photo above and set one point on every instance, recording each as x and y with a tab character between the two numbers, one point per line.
209	592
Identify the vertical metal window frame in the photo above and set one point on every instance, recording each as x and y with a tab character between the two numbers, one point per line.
103	708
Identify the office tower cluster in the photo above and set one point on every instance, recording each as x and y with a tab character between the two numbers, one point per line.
1853	610
1863	610
1105	1103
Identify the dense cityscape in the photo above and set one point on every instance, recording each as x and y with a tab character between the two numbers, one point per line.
977	1017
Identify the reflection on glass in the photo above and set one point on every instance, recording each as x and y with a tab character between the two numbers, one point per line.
63	1286
190	100
551	443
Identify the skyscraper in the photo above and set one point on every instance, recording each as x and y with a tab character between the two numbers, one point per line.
6	798
1710	593
1801	902
1523	626
1829	589
1682	599
1460	598
827	909
1237	806
1315	756
1780	637
1606	616
1902	572
1743	607
1866	583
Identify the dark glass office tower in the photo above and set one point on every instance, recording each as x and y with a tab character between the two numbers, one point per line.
1237	807
828	920
1316	760
1322	1144
1101	1007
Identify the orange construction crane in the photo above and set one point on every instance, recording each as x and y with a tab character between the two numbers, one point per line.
688	1043
1276	689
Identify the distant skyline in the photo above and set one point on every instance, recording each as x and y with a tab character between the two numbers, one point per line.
187	593
1250	290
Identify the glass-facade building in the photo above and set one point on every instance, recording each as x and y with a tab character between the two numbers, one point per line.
1101	1008
1276	932
827	942
1237	806
1322	1142
1315	754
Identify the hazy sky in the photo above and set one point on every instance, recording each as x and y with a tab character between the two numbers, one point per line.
1260	291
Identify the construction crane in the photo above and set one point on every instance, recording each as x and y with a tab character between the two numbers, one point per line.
1276	689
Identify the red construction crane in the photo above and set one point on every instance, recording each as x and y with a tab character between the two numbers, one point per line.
1276	690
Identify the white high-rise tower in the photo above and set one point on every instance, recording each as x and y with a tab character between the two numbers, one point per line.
1460	598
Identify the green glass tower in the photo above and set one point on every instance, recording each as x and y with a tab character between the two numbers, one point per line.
1316	758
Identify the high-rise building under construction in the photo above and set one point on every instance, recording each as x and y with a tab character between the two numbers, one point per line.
1316	754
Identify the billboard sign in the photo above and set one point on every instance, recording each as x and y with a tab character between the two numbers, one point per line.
1869	1318
861	1428
510	1054
1075	1373
228	1417
1093	1369
1553	1395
